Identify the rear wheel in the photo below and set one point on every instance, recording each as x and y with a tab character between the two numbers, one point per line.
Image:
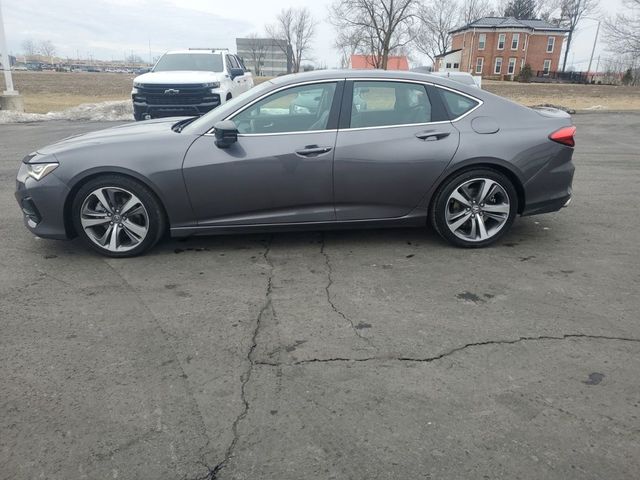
474	208
117	216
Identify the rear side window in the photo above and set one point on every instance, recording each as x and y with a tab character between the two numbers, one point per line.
379	104
456	104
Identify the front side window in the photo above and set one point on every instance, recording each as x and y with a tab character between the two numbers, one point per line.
456	104
296	109
498	66
482	41
546	67
501	40
511	68
379	104
551	43
479	64
515	39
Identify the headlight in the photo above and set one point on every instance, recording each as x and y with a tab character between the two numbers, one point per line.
37	171
136	84
212	85
134	91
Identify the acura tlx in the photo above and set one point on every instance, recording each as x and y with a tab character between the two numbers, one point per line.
319	150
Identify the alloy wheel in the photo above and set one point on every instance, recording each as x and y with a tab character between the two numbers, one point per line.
114	219
477	209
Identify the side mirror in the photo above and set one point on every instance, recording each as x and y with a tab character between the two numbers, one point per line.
226	133
235	72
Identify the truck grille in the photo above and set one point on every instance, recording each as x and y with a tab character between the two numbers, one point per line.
194	94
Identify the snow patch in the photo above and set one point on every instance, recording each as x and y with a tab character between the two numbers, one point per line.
93	112
596	107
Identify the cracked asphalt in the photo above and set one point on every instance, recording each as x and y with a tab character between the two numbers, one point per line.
375	354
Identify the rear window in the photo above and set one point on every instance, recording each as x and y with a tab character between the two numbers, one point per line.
382	103
204	62
456	104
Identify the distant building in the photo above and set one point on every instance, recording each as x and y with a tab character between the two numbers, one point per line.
448	61
268	52
367	62
495	47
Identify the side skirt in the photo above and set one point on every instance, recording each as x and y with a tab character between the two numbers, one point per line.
417	218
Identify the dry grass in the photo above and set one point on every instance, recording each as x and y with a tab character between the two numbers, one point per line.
578	97
50	91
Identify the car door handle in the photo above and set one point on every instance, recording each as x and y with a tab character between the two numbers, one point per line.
312	150
431	135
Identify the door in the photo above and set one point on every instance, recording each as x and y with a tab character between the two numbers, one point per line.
279	170
237	82
392	145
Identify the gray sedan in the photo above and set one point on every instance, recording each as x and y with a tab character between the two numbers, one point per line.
406	149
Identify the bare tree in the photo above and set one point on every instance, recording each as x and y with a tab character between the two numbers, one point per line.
29	47
46	48
472	10
378	26
437	19
294	29
622	32
348	43
571	13
257	52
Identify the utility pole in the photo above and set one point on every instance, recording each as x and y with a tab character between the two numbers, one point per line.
10	99
593	50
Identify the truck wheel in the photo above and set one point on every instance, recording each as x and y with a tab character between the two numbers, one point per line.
228	97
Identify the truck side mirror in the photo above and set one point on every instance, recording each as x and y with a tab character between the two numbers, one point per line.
226	133
235	72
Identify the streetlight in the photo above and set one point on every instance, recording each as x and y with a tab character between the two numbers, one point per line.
10	99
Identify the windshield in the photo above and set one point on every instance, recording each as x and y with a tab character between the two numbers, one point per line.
226	108
204	62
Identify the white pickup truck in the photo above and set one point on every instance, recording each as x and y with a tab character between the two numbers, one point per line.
188	83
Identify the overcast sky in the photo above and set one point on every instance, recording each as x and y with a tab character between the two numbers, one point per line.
108	29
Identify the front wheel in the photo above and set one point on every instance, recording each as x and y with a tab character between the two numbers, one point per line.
475	208
117	216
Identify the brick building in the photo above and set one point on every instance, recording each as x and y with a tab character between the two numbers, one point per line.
498	47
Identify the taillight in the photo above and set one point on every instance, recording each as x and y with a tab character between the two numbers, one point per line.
565	136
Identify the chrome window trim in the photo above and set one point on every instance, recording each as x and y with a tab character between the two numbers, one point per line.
354	79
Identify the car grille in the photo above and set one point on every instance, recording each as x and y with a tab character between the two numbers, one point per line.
173	99
194	94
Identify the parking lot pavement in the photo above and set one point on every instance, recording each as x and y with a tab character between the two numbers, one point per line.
377	354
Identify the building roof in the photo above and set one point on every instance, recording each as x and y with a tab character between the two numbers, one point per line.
495	23
448	53
366	62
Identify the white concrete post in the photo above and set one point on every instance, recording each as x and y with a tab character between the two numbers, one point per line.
6	64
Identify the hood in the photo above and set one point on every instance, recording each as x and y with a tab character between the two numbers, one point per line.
178	78
122	133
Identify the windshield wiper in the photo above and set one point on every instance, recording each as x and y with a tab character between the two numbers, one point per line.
177	127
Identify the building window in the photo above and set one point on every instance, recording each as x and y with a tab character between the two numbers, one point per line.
501	39
482	41
551	43
547	67
515	40
511	68
479	64
448	64
456	65
498	66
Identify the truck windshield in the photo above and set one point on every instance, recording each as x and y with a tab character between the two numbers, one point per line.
205	62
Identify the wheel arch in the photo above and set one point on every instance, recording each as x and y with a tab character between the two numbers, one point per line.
490	163
77	182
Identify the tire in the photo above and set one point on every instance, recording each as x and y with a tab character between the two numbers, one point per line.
229	96
111	230
474	208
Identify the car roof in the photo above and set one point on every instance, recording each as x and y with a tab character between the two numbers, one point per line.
199	51
374	75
